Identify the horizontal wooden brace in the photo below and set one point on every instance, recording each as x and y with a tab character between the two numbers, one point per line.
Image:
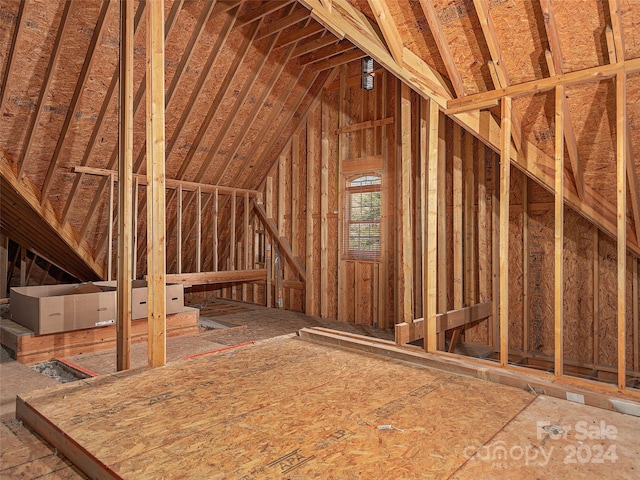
594	74
362	125
410	332
473	106
206	278
171	183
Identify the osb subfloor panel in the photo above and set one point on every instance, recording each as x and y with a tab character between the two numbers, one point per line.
246	322
284	408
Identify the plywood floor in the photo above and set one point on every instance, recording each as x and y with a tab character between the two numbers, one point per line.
281	408
285	408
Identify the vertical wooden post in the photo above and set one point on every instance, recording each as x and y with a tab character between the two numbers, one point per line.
343	151
269	197
494	329
621	152
559	236
30	269
125	185
214	233
596	296
198	229
443	274
179	229
110	231
4	265
232	232
458	272
432	163
136	187
483	252
406	202
24	274
385	196
469	222
310	287
636	315
505	183
281	197
245	241
268	260
156	209
525	265
422	195
324	215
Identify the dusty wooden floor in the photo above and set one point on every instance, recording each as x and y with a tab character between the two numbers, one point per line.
286	408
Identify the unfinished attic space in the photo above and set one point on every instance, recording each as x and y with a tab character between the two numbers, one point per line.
349	239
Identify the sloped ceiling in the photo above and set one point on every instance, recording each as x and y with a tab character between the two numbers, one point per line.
241	75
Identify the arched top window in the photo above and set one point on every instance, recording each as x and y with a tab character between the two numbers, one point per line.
361	234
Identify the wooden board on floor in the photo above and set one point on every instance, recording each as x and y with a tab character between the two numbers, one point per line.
278	409
30	348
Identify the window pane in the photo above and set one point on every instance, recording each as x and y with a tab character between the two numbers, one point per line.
364	181
362	219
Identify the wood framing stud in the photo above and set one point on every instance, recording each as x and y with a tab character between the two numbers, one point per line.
621	160
156	215
505	182
559	235
125	188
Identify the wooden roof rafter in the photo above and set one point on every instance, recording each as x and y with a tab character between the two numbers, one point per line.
443	46
239	102
619	56
587	75
33	233
267	156
389	29
285	22
327	52
261	12
496	67
239	57
196	34
266	126
170	23
299	34
73	106
326	39
252	116
14	41
555	65
207	70
337	60
44	90
344	20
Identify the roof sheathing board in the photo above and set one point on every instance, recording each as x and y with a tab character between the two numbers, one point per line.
633	116
244	74
630	14
462	31
40	23
592	107
415	32
88	108
182	94
581	30
8	22
521	35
